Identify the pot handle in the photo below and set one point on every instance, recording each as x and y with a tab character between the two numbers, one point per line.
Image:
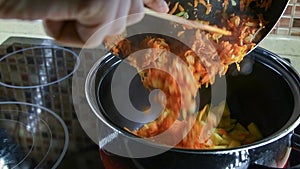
295	142
295	145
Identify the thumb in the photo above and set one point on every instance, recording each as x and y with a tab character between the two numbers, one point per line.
38	9
157	5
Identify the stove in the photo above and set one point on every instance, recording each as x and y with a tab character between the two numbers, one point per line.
36	83
38	72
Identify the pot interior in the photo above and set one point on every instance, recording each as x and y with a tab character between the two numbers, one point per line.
265	95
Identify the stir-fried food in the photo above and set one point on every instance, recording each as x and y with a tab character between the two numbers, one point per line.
229	132
209	54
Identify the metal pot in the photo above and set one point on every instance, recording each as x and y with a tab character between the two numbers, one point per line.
266	91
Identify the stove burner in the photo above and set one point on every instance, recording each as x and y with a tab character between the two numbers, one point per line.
30	136
37	66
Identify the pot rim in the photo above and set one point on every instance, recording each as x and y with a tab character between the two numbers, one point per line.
272	61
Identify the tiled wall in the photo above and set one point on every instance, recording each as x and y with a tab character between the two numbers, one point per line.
289	24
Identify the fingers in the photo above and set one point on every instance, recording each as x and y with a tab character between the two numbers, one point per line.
53	28
37	9
91	31
114	23
125	16
77	20
136	12
157	5
64	32
74	34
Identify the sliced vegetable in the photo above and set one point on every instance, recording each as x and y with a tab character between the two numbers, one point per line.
253	129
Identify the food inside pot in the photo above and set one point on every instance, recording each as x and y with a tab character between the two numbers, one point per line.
203	56
229	132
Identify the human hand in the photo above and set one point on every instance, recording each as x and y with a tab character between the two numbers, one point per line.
73	22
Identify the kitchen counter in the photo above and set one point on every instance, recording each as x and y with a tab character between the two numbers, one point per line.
33	29
284	46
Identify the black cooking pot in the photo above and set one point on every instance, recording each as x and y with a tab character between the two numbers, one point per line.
266	91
